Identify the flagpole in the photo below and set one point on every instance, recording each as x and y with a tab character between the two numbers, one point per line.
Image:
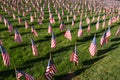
15	72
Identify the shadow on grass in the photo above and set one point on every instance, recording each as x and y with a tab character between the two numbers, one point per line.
46	56
19	45
11	72
104	51
116	39
69	76
3	29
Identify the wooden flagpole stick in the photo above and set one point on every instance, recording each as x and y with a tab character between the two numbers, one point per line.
15	72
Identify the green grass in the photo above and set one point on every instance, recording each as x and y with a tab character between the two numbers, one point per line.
104	66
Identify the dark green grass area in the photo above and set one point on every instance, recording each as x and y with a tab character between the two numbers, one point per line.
103	66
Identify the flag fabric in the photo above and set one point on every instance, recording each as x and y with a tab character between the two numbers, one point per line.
49	28
26	24
110	21
62	26
88	29
97	25
80	22
88	20
103	25
53	41
34	31
103	39
0	18
0	42
68	34
93	47
14	17
74	56
20	74
51	69
5	21
5	56
17	36
34	48
117	32
10	27
28	77
80	32
73	22
108	33
31	18
19	20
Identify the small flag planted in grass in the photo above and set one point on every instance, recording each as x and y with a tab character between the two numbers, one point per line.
103	39
19	20
49	28
62	26
17	36
34	31
68	34
73	22
20	74
117	32
5	56
108	34
80	32
26	24
93	47
51	69
10	27
74	56
53	41
34	48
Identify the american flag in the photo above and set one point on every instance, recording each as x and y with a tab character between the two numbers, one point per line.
49	28
20	74
10	27
88	20
97	25
93	47
88	29
0	18
5	56
103	25
5	21
73	22
117	32
28	77
26	24
80	32
110	21
14	17
108	33
103	39
17	36
34	48
19	20
34	31
62	26
53	41
0	42
31	18
74	56
51	69
68	34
